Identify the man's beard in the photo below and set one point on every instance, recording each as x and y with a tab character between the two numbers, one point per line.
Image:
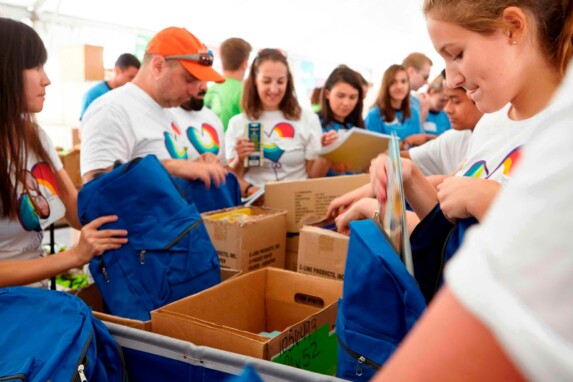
194	103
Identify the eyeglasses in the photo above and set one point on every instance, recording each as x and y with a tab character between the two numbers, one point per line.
269	51
202	58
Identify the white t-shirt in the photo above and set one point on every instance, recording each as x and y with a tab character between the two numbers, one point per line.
515	270
442	155
124	124
21	239
287	145
203	132
496	143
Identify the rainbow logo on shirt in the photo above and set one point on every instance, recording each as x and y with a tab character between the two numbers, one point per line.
204	140
33	204
272	151
511	160
508	164
477	169
173	143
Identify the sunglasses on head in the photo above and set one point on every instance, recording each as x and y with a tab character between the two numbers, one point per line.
203	58
425	76
268	51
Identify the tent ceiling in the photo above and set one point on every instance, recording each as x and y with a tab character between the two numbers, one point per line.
363	33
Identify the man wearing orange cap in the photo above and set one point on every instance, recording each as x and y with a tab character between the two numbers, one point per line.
133	121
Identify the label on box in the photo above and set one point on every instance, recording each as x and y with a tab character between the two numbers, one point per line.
315	351
255	134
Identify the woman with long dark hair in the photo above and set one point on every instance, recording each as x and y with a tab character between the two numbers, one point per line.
35	190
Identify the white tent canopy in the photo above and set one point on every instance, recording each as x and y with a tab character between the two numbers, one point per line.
367	35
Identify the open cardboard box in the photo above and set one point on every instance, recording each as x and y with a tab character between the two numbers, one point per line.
233	316
248	238
309	197
322	252
91	296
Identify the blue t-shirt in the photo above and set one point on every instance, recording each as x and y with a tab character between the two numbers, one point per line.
437	123
96	91
375	122
336	126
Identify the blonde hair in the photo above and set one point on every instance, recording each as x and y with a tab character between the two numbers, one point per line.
553	20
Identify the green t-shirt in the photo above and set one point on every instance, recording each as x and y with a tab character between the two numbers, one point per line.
225	99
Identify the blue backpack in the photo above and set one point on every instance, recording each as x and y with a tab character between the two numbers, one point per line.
214	198
169	254
434	242
52	336
380	304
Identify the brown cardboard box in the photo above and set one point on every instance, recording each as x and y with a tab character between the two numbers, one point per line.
91	296
291	255
81	62
309	197
71	162
322	252
250	242
232	316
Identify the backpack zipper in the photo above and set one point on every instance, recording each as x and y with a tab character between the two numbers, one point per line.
103	269
83	361
360	358
21	377
173	242
82	374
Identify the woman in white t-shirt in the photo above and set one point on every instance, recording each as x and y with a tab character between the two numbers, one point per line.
290	136
35	190
505	290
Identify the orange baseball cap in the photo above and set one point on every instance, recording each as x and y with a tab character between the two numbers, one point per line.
179	42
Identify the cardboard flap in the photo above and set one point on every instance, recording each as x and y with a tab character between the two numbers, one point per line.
309	197
228	306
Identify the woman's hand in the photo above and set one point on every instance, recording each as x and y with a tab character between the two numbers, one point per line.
462	197
342	203
329	137
362	209
244	148
94	242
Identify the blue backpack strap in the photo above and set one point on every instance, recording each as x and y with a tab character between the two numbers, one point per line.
427	243
457	235
434	242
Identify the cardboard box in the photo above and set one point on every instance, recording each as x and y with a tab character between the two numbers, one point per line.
71	162
248	238
232	316
91	296
291	255
81	62
309	197
322	252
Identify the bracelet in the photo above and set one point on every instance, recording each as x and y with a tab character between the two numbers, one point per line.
247	189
